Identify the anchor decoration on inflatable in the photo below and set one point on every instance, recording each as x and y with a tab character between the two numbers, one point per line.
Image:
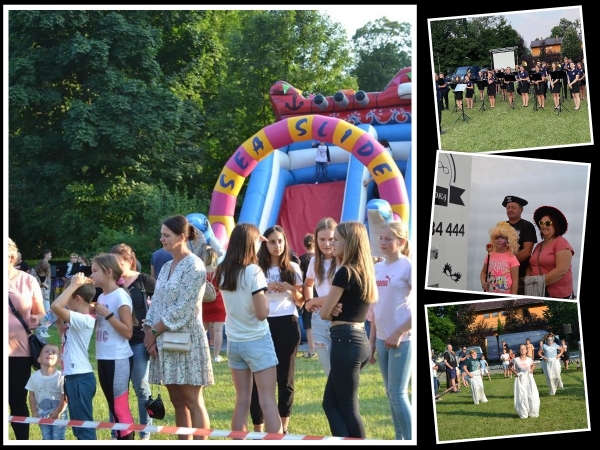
392	105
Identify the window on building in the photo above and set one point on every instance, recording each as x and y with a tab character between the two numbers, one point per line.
503	313
495	314
526	312
486	315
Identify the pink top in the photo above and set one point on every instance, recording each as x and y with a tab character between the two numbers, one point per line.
547	261
25	294
500	264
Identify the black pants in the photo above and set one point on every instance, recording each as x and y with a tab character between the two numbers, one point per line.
19	371
285	332
445	93
350	353
440	107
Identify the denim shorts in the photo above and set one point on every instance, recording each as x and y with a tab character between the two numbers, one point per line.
255	355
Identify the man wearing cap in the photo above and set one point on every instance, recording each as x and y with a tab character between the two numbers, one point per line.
526	231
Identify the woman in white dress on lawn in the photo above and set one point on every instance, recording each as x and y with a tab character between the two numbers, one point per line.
527	397
550	352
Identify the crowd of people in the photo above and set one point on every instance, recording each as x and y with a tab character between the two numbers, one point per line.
521	366
560	79
133	317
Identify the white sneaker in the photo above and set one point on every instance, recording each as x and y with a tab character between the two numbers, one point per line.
44	335
218	358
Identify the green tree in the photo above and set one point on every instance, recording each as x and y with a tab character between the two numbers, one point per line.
92	114
500	327
560	30
559	313
440	327
383	47
571	45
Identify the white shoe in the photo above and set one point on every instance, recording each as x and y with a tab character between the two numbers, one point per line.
218	358
44	335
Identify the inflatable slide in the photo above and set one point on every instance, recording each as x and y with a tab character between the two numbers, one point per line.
280	159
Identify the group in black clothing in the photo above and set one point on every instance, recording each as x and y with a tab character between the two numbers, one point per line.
497	83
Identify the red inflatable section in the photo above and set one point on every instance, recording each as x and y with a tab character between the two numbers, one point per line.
303	205
393	103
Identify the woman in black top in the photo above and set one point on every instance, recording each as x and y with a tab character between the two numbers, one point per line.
555	86
523	78
354	288
573	80
469	92
491	89
445	89
458	96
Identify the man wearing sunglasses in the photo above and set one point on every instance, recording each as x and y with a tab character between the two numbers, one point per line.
526	231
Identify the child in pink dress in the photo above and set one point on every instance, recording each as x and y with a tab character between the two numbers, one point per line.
501	266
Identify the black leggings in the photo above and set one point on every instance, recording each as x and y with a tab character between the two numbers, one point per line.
19	371
285	332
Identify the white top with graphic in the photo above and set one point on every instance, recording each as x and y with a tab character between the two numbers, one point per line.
393	306
109	343
48	391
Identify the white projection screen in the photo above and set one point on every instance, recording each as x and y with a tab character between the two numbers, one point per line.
503	58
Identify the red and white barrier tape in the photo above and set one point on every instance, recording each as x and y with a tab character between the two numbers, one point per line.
174	430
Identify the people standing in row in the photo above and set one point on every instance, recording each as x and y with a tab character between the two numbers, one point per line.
390	334
354	287
491	88
177	306
73	307
284	280
317	285
573	81
26	297
114	328
539	87
445	90
510	87
555	86
523	78
141	288
458	95
250	349
469	91
213	313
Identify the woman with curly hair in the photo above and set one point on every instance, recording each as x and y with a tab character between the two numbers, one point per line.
501	266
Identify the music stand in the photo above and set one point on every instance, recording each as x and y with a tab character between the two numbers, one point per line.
461	88
482	84
511	78
562	76
534	76
453	87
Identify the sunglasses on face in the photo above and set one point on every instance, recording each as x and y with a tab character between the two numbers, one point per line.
545	223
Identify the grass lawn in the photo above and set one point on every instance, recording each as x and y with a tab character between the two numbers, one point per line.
503	128
458	418
307	418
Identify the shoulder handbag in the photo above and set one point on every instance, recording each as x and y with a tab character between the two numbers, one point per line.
36	343
210	293
176	342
